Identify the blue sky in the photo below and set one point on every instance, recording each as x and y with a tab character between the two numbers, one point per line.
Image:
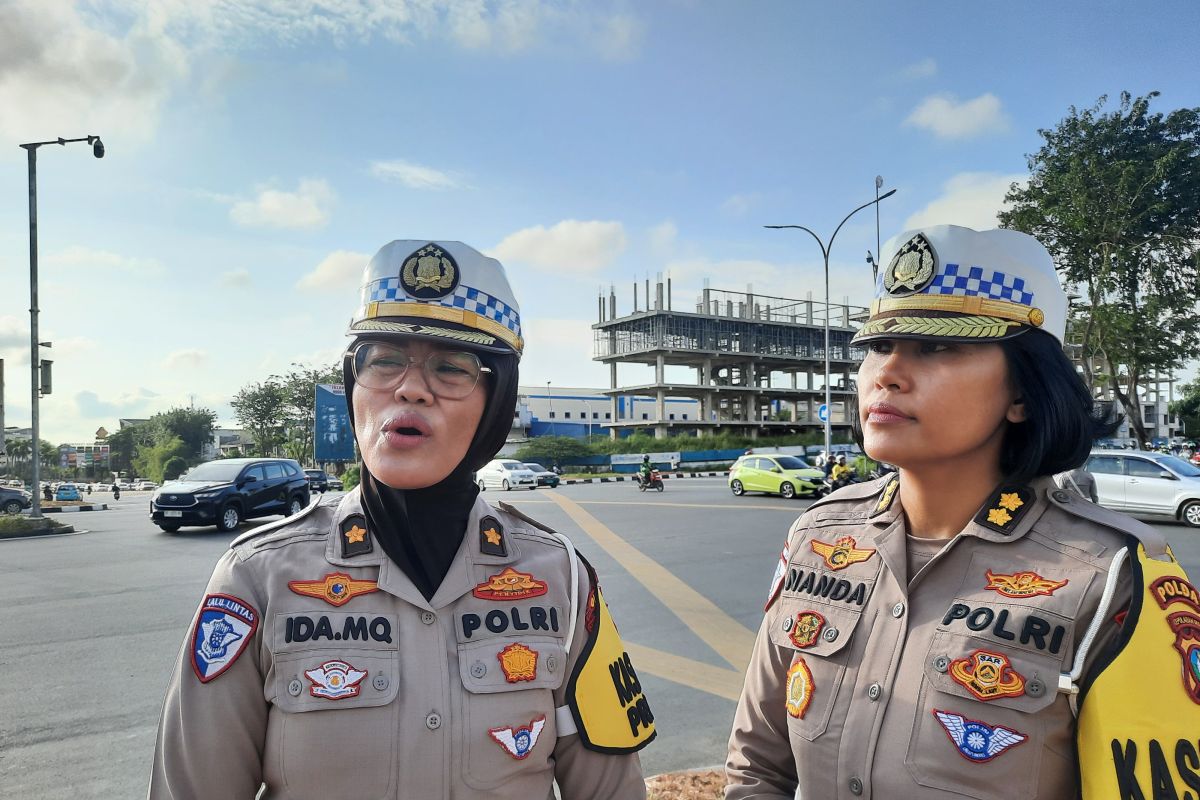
259	152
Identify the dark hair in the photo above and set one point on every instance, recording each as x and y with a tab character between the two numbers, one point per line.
1061	418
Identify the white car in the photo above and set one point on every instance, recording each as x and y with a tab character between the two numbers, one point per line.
1143	482
506	474
145	486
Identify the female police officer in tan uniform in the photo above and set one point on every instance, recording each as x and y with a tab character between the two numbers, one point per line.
408	640
928	635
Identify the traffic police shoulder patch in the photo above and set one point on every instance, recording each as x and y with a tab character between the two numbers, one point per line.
356	539
223	628
1004	509
491	537
604	694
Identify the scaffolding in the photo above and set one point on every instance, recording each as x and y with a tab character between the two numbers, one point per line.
759	360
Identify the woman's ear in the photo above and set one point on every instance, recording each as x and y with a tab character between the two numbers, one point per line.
1016	411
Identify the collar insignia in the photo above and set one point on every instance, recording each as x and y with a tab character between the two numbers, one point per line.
510	585
491	537
336	588
335	680
977	741
987	676
806	628
912	268
842	553
799	688
1173	590
1004	509
889	494
519	742
356	539
518	662
1022	584
429	273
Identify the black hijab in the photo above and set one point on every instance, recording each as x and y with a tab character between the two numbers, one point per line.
422	529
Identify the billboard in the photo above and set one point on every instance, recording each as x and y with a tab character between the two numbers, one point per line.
334	441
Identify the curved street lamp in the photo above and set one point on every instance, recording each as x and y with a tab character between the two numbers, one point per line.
34	356
825	248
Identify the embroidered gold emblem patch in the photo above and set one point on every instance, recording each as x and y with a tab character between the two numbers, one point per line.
337	588
509	585
806	628
1021	584
429	273
518	662
355	534
912	268
987	675
799	688
842	553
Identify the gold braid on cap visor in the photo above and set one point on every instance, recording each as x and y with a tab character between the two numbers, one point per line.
974	317
460	316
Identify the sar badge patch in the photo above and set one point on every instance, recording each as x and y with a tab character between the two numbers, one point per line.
224	628
842	553
336	588
519	742
799	688
604	694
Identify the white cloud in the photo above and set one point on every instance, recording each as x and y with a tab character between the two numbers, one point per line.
739	205
662	239
413	175
560	350
947	118
236	278
306	208
570	245
340	269
971	199
102	261
185	359
925	68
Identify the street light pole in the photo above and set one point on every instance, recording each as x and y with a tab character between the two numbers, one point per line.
825	249
550	400
35	361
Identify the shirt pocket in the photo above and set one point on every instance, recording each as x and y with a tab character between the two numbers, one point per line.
329	703
508	707
818	638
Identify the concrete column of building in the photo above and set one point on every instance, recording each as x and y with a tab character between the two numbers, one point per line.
612	372
660	364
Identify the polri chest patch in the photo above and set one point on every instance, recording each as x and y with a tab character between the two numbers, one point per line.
223	630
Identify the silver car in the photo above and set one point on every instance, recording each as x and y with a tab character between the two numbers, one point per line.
506	474
1139	482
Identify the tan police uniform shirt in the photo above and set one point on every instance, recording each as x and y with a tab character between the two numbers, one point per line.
350	684
866	682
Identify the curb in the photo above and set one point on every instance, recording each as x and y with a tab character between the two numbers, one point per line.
70	509
665	477
35	534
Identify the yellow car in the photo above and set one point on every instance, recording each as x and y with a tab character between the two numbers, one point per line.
775	474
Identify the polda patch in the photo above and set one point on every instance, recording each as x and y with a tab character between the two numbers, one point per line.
799	688
336	588
510	585
1022	584
223	629
977	741
1180	600
843	553
519	742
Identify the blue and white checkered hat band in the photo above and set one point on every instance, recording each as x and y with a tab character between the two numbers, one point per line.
387	290
978	282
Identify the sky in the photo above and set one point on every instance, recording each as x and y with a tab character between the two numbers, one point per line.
260	151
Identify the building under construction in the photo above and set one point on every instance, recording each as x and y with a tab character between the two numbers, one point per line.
758	362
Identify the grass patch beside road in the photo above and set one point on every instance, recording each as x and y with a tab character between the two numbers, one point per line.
17	525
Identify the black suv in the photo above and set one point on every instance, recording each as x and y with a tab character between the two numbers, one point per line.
318	481
13	500
227	491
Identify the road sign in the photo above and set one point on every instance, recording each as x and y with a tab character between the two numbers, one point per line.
823	412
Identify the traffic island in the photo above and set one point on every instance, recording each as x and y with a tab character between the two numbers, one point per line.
16	527
48	508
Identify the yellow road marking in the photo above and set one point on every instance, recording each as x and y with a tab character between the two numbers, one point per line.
722	682
725	635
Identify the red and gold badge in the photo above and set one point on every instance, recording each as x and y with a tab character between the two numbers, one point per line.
518	662
1022	584
510	585
1171	591
842	553
806	628
336	588
799	688
987	676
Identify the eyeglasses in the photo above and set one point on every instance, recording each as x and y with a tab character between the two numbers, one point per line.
451	374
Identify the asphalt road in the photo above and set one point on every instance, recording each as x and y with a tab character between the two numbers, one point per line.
90	623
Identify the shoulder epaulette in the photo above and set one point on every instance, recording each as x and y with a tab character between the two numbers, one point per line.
274	526
1152	541
507	509
854	491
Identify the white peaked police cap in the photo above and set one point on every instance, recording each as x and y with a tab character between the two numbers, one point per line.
443	290
949	282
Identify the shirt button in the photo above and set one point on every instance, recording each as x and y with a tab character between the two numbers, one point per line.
898	610
295	687
428	617
874	690
1061	496
1035	688
551	663
830	634
433	721
855	786
787	624
478	669
380	682
941	663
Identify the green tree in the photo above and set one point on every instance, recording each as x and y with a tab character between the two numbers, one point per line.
1115	197
299	387
551	450
351	477
1187	407
259	409
173	468
192	426
151	461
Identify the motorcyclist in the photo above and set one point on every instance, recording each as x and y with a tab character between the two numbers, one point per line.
116	491
841	472
644	470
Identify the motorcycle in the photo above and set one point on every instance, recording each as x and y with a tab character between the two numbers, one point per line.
653	481
116	492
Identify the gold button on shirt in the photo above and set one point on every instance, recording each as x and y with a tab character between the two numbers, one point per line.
865	682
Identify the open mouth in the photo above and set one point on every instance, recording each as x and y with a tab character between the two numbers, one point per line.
405	428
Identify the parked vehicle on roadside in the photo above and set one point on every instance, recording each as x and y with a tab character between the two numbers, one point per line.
227	491
543	476
67	492
13	501
335	484
318	481
784	475
1141	482
145	486
506	474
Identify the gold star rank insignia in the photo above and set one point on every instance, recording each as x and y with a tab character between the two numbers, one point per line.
356	539
1005	508
336	588
491	537
842	553
999	516
889	494
355	534
1011	501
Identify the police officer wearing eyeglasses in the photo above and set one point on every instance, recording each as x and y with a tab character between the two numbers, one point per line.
409	639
